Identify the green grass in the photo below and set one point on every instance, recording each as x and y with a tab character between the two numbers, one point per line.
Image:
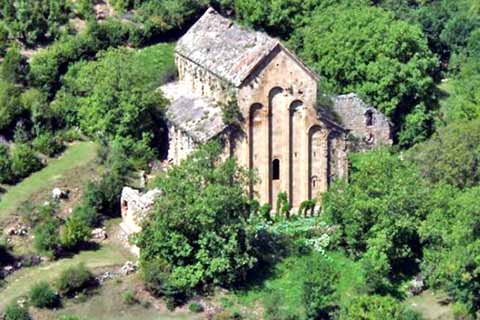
20	282
76	155
107	304
284	288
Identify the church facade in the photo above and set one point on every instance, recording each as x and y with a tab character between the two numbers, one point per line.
294	144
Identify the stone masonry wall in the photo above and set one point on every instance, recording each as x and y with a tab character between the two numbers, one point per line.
200	81
368	133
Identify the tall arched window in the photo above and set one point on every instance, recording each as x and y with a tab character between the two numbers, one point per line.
276	169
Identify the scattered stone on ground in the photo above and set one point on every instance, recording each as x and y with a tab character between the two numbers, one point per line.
128	268
58	194
99	234
416	285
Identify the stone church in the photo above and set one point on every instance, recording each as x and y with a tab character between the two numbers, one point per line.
293	143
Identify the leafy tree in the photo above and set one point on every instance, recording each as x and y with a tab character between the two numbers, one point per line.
33	22
319	289
451	155
364	49
452	248
10	107
377	215
14	66
464	100
199	228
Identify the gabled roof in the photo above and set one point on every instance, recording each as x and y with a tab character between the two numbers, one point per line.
226	49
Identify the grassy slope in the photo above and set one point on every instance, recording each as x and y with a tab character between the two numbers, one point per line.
76	156
19	283
284	288
108	304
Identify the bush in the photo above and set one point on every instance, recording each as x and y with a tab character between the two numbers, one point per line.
196	307
46	234
376	307
65	317
74	280
24	161
15	312
42	296
48	144
319	289
75	232
129	298
5	165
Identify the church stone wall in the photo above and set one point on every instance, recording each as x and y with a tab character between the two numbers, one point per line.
200	81
180	145
285	142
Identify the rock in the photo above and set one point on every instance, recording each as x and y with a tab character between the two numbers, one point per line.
99	234
58	194
128	268
18	230
8	270
11	231
416	285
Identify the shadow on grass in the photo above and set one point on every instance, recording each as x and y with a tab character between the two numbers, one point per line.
84	246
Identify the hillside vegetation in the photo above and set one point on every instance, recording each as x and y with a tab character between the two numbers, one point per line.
409	212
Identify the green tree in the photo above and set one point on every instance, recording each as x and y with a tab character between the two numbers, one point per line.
14	66
5	164
452	248
319	288
10	107
451	155
377	215
24	161
365	50
199	228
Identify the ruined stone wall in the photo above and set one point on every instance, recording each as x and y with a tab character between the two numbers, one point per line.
369	127
202	82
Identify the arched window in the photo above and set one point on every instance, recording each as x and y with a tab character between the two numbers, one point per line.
276	170
369	118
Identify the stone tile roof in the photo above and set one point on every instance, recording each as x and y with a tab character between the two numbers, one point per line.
199	117
224	48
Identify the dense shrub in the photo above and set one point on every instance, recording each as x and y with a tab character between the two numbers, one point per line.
129	298
451	155
376	307
42	296
14	312
74	280
199	228
450	259
76	231
46	234
10	107
14	66
32	24
5	165
48	144
24	161
196	307
319	289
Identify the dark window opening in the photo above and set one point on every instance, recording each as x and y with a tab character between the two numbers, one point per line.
276	170
369	118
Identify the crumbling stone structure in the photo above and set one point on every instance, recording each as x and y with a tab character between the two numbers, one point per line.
293	143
